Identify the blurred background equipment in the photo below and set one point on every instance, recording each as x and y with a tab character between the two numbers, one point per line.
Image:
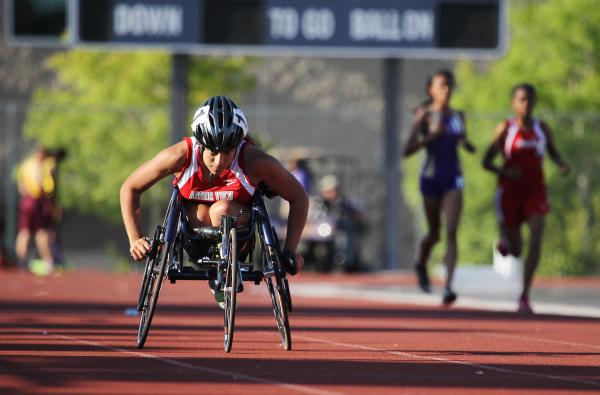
332	238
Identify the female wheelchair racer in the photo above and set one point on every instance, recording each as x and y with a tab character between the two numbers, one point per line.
217	174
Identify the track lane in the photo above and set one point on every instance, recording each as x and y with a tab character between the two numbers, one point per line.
69	334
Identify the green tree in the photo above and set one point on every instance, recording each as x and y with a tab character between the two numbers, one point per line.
111	111
555	45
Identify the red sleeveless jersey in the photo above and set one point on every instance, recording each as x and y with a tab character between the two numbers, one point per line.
523	148
231	184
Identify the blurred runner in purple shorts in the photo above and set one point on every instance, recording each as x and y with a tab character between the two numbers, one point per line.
439	129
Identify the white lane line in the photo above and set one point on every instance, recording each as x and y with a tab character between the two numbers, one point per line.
452	361
539	339
234	376
481	332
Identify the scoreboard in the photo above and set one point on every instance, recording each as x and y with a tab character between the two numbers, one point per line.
355	28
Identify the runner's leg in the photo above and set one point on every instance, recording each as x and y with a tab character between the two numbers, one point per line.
536	228
452	206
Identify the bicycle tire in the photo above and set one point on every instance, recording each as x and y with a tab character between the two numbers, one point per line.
230	290
155	281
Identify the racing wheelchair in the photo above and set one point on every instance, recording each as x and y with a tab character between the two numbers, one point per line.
225	266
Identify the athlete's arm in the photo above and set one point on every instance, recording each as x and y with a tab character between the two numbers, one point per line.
466	143
166	162
263	167
553	151
416	140
493	151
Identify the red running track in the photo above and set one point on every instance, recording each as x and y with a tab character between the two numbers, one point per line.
69	334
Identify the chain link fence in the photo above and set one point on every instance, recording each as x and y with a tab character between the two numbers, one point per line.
572	228
88	232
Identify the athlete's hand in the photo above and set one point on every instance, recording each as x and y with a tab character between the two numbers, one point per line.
469	146
299	262
139	248
292	262
435	128
565	169
510	172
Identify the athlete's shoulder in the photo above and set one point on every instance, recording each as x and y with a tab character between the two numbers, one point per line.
501	129
255	156
260	164
459	113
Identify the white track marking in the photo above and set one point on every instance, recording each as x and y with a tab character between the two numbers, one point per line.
483	332
539	339
440	359
234	376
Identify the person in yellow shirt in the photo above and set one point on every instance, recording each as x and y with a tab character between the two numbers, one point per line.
36	182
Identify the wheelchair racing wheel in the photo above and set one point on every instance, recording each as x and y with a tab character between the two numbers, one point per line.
285	284
148	267
153	278
277	291
230	288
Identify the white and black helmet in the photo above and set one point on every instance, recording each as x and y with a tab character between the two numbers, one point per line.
219	124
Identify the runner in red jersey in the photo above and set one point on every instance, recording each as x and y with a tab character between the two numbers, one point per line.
216	171
521	196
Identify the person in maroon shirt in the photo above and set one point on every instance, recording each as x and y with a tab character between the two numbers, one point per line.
521	196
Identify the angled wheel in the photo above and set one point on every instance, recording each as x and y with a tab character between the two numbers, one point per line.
277	291
285	285
155	270
145	281
150	259
230	288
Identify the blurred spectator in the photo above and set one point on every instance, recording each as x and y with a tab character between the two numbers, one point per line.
37	185
338	225
299	169
57	212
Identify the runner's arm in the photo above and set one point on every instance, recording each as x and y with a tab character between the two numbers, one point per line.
166	162
553	151
494	149
466	143
416	140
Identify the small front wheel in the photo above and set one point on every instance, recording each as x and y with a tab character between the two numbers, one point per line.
230	288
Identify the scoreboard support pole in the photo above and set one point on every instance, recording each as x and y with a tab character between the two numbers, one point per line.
392	69
179	93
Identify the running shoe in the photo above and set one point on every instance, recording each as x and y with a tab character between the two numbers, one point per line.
449	297
423	278
219	297
524	306
40	267
217	293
